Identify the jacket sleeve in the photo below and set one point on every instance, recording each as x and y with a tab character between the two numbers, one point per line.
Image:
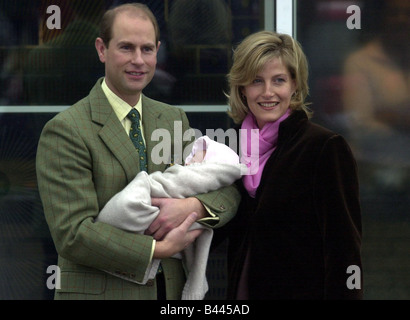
221	204
70	203
339	216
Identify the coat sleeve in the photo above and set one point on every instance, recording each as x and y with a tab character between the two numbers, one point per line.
339	216
70	203
222	203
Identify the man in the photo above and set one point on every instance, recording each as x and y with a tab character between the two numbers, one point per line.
85	157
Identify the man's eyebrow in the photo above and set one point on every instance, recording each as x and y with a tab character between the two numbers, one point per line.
125	43
130	44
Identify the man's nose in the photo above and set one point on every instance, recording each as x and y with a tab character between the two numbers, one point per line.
137	58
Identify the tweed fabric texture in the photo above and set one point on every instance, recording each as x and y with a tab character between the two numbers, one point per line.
84	158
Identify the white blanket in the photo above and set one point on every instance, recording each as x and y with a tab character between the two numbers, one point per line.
131	210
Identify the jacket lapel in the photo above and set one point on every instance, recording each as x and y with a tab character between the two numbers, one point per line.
112	132
151	117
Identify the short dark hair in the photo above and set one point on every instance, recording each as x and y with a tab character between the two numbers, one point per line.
109	17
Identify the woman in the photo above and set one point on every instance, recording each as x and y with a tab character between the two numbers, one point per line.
298	227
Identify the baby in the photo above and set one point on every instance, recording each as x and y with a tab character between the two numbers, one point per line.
209	166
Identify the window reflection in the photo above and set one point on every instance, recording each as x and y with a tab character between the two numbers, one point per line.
200	39
42	66
376	99
360	87
63	68
26	248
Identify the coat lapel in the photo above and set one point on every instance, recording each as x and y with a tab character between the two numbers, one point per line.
112	132
114	136
151	117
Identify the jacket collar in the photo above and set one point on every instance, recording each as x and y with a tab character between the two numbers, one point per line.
114	135
292	125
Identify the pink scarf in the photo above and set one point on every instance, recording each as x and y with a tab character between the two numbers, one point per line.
255	161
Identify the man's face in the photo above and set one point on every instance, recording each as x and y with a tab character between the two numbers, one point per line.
131	56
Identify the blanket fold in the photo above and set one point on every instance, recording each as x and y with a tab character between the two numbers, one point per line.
131	210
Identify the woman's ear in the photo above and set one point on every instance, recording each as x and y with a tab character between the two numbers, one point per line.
294	87
243	93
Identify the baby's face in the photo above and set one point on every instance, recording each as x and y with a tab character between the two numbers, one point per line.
198	157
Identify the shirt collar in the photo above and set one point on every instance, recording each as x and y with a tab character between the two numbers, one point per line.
121	108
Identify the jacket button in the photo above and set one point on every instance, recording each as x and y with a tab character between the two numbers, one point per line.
150	283
221	207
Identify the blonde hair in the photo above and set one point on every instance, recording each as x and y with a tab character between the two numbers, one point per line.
249	58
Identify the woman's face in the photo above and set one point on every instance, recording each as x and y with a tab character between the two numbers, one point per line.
269	94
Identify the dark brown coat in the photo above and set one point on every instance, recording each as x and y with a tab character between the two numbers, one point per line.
303	229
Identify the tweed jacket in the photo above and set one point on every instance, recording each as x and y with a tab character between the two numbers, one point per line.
303	229
84	158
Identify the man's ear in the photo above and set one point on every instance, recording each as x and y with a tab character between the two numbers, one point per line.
100	47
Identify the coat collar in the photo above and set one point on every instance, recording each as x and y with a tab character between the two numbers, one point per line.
292	123
114	135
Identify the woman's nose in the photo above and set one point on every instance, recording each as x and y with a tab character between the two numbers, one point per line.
268	91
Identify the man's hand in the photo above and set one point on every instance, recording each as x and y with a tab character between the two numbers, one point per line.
172	213
177	239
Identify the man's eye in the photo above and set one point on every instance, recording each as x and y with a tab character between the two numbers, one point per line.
148	49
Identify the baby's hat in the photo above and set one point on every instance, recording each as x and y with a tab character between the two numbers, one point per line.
216	152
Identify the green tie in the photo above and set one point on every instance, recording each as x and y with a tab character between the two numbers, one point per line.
136	138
